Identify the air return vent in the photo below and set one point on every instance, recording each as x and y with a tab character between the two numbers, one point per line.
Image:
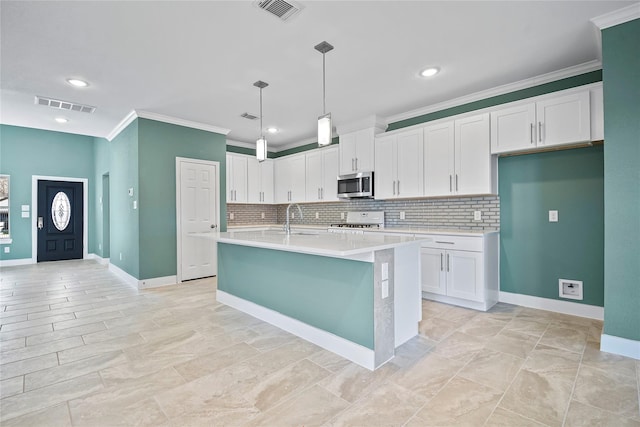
280	8
64	105
248	116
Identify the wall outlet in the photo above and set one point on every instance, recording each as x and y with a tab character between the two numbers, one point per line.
571	289
231	215
130	192
477	215
100	246
553	216
402	215
135	204
7	249
317	215
341	215
385	289
293	215
120	256
262	215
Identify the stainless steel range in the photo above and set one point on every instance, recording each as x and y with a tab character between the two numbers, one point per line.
359	221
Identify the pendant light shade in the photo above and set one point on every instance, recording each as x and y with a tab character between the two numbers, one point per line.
261	143
325	126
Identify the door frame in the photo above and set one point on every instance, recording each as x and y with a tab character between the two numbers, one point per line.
179	215
34	212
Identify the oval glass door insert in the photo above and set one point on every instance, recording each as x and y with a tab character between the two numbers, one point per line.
61	211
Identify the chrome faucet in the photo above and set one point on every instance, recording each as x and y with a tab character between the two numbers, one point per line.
287	226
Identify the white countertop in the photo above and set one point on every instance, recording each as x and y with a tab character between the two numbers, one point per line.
438	231
316	242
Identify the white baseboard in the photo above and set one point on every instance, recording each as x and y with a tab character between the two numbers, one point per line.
621	346
157	282
103	261
128	279
14	262
349	350
557	306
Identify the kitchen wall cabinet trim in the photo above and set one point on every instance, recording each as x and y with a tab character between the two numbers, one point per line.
236	178
399	165
357	151
259	181
321	175
290	179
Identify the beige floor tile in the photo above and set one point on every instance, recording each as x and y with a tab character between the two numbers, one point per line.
353	381
412	351
88	350
209	363
459	346
11	386
483	327
36	322
7	320
587	416
553	361
492	369
503	418
65	372
429	375
86	320
118	332
41	349
460	403
26	332
389	405
54	416
45	397
12	344
436	329
511	342
329	360
564	337
615	392
25	366
595	358
313	407
458	315
78	331
140	413
527	325
40	308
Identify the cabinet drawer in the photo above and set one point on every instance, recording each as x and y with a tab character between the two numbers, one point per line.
458	243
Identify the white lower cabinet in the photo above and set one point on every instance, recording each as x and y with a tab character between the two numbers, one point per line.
461	270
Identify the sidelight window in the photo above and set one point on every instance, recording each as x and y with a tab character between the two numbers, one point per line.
4	206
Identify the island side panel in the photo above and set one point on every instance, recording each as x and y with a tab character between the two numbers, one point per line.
384	290
332	294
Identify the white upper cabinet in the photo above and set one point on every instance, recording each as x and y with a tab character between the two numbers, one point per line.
236	178
290	179
259	181
321	175
550	121
357	151
457	158
399	165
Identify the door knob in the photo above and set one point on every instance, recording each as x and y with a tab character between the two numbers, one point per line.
40	223
214	226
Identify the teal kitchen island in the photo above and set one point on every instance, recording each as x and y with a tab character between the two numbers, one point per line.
355	295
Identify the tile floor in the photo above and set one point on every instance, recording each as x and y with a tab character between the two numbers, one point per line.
81	348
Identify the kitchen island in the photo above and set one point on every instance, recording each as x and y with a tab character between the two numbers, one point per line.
356	295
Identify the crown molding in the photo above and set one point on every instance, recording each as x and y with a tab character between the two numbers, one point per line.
500	90
617	17
122	125
290	145
181	122
373	121
241	144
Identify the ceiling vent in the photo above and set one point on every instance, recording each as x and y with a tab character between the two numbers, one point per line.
248	116
280	8
64	105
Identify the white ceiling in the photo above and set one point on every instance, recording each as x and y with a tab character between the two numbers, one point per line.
198	61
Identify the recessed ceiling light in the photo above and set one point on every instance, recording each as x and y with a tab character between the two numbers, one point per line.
272	130
77	83
432	71
61	120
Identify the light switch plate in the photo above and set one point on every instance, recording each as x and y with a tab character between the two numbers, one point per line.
130	191
385	289
402	215
477	215
384	273
231	215
553	216
25	208
7	249
25	214
135	204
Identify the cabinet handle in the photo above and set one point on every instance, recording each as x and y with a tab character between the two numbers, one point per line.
352	164
540	131
456	182
394	188
318	193
441	260
531	133
448	263
450	184
446	243
356	163
398	187
321	193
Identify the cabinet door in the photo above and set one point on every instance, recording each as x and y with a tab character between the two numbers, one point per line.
229	176
409	164
313	175
297	178
282	174
365	150
329	192
385	173
513	128
347	149
254	181
266	178
465	272
433	275
439	150
564	120
472	156
239	179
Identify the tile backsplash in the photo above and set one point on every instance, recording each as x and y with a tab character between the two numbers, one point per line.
446	213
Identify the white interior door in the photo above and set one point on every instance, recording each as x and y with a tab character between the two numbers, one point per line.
198	212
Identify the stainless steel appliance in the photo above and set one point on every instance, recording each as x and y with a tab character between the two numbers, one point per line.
359	221
356	185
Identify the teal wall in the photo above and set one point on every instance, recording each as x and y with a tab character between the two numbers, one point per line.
123	174
332	294
25	152
535	253
621	77
101	166
159	144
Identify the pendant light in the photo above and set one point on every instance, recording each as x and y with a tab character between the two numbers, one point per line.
324	121
261	143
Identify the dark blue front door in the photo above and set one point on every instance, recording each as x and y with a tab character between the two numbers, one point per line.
59	221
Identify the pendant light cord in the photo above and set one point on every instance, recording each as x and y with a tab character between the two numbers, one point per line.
261	133
324	97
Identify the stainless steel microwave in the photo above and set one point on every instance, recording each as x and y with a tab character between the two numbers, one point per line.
356	185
